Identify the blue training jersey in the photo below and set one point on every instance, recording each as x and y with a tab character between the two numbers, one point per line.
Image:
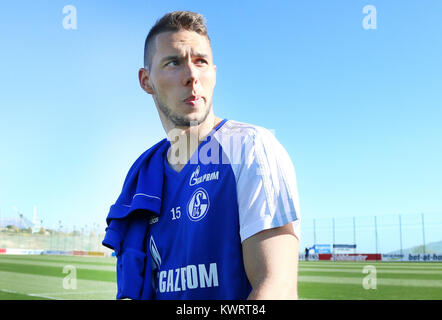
239	181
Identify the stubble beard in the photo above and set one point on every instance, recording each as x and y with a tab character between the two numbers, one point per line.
179	120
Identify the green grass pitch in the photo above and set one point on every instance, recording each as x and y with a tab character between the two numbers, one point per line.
41	277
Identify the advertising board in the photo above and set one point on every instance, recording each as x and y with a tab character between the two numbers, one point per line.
351	257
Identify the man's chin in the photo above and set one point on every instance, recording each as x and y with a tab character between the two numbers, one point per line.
189	120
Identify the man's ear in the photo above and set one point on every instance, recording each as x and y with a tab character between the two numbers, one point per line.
143	77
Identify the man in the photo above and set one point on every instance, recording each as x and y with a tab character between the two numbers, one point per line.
228	227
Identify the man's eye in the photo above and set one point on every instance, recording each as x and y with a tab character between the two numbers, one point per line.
172	63
202	61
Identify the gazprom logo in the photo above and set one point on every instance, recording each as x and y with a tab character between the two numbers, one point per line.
195	179
198	205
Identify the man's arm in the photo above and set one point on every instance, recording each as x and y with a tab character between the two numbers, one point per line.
271	263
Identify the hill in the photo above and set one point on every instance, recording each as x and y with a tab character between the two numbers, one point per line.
433	247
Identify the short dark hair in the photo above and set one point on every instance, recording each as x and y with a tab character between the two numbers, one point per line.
173	21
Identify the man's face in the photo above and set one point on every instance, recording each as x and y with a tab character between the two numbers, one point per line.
182	76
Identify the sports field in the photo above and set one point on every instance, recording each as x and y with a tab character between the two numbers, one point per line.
52	277
394	280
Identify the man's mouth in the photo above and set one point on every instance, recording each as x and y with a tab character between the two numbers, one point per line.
193	100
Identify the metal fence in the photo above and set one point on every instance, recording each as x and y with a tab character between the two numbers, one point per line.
401	233
64	241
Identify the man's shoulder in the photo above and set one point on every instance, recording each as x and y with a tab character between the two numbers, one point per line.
249	132
244	143
150	150
147	154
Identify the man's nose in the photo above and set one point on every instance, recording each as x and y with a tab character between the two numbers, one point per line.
190	74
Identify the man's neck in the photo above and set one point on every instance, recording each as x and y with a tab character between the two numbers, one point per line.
185	141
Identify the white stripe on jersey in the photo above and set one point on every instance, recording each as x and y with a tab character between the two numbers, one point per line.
265	178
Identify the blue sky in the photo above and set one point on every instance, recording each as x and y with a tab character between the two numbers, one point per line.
359	111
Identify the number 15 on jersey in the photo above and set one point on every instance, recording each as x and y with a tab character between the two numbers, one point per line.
176	213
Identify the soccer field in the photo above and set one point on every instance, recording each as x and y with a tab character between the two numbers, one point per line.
332	280
50	277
